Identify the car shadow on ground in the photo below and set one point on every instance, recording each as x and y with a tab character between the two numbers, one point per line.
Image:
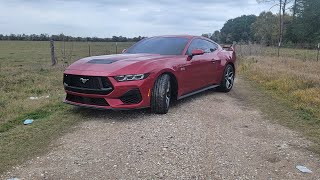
136	114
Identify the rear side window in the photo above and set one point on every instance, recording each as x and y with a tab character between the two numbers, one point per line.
202	44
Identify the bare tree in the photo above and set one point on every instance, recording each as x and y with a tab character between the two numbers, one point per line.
294	9
282	11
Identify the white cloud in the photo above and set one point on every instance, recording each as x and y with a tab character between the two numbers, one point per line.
105	18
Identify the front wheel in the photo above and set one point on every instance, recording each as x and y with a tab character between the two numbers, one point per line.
227	79
161	95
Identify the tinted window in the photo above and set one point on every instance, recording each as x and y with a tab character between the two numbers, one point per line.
206	46
160	45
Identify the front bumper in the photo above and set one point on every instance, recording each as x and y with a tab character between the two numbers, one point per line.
125	95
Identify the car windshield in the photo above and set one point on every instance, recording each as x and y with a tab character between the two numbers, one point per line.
159	45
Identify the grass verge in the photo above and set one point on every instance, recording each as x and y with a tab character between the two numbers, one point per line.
294	90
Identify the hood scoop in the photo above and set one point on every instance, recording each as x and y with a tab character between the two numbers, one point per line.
102	61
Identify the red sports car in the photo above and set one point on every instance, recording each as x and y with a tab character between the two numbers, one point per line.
151	73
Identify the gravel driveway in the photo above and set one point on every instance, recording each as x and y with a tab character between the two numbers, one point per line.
208	136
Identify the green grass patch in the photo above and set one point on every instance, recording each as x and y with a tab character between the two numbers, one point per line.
27	141
37	114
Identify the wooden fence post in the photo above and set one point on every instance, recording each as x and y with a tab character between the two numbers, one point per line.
64	49
53	56
89	49
318	51
116	47
279	46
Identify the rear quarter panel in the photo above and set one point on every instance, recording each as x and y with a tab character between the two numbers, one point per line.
226	57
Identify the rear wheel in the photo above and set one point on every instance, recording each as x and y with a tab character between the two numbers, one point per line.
161	95
227	79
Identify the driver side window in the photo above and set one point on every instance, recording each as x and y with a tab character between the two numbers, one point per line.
202	44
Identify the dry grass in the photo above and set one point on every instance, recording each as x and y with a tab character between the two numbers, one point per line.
293	81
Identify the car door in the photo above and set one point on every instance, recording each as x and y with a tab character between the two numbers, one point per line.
195	71
212	63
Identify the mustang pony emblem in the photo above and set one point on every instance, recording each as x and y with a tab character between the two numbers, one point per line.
84	80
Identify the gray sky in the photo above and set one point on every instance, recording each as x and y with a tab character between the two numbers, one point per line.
105	18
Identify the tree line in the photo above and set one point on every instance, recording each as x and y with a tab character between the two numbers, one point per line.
62	37
296	24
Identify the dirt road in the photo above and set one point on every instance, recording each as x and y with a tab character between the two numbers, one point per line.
209	136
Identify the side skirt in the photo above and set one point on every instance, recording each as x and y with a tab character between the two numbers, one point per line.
198	91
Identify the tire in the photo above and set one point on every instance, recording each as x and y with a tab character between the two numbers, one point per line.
161	95
227	79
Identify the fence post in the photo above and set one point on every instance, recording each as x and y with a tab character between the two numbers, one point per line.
53	56
70	51
318	51
89	48
116	47
279	45
64	49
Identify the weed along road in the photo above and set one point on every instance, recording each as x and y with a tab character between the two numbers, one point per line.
207	136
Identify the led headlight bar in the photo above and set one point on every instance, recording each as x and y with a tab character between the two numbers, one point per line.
131	77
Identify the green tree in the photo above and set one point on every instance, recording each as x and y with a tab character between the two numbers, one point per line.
205	35
238	29
266	28
216	36
306	28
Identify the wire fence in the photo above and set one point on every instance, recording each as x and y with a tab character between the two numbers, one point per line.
68	51
260	50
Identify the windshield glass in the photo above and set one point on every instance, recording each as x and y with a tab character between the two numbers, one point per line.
160	45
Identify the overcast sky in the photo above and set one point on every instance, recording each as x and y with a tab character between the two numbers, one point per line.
105	18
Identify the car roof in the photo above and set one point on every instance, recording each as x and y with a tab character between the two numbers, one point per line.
185	36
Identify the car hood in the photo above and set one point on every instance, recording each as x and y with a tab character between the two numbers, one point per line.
114	63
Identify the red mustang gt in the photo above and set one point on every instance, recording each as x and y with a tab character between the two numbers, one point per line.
151	73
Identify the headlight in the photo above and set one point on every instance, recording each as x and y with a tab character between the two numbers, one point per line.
131	77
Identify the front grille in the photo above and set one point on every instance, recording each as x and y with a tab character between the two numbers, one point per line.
87	84
87	100
131	97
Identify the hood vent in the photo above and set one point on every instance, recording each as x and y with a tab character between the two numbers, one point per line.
102	61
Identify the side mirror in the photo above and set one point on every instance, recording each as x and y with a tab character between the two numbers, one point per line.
124	50
197	52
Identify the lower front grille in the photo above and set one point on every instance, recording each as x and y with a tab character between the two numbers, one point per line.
87	100
131	97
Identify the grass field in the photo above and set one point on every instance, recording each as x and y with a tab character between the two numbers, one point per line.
26	71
